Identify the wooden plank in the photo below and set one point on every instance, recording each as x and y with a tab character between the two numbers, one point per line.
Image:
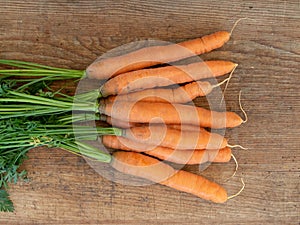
65	189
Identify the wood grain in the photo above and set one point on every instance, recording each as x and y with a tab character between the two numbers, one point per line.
64	189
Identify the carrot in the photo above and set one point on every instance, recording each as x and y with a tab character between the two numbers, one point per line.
191	157
150	56
123	124
141	166
164	76
197	185
143	112
112	141
152	169
176	139
181	94
163	153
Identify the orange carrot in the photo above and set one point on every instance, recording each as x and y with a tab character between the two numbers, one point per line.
191	157
123	124
152	169
143	112
112	141
182	94
176	139
163	153
197	185
150	56
164	76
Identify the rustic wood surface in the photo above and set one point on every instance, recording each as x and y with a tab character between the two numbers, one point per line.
64	189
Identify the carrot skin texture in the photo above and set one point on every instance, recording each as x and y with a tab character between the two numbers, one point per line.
123	124
176	139
150	56
181	94
152	169
209	42
190	157
138	165
187	127
165	76
143	112
117	123
112	141
197	185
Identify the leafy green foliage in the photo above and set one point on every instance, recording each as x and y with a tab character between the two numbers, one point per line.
9	165
15	133
5	86
6	204
32	114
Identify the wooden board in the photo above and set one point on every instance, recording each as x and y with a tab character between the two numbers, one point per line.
64	189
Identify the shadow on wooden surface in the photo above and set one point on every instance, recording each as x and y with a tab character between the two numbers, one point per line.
65	190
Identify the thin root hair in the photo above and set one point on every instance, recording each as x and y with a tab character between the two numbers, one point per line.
222	82
237	146
235	170
230	76
236	23
240	104
239	192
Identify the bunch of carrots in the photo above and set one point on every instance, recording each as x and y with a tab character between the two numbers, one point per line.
138	89
136	94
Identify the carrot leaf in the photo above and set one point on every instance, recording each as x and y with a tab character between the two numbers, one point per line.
6	204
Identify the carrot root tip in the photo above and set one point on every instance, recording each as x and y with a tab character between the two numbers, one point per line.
230	76
236	23
237	146
240	104
235	170
240	191
222	82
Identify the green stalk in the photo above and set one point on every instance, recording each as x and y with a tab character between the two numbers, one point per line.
79	118
35	105
27	118
28	66
37	100
86	150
